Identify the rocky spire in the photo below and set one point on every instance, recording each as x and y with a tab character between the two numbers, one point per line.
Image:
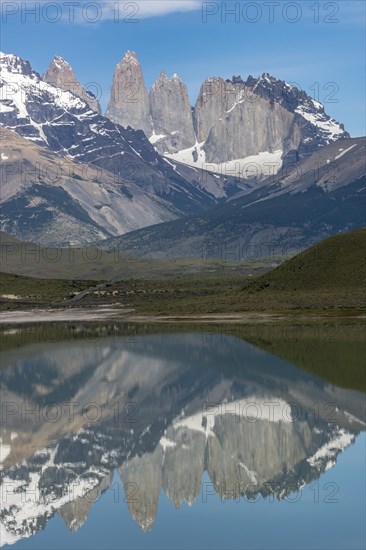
61	74
75	513
129	102
171	113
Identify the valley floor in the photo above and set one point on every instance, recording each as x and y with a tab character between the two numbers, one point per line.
226	300
327	279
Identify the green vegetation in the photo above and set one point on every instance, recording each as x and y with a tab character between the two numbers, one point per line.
35	292
92	264
336	262
329	276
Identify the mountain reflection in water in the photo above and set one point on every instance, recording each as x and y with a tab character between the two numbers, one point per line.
161	410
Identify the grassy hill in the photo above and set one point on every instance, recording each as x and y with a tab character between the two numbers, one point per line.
336	262
330	274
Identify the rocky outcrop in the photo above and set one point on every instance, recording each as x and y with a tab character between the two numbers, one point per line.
215	98
61	74
164	114
171	114
317	128
129	102
75	512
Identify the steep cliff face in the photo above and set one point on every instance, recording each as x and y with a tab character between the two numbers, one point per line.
248	128
317	128
236	120
171	114
61	75
129	102
215	98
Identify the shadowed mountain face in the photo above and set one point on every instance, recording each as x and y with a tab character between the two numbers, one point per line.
160	410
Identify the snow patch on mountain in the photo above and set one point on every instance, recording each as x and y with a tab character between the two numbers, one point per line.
156	137
343	152
245	409
258	166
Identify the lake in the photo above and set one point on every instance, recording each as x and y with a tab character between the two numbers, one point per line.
183	437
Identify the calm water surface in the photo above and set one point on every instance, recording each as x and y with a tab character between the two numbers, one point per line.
177	440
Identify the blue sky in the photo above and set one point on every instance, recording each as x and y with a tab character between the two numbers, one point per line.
318	45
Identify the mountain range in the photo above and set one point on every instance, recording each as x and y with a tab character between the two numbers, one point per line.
123	165
71	176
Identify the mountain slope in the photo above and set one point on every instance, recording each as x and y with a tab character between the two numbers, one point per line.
54	200
280	217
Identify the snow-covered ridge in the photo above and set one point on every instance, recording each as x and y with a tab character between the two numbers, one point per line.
15	64
328	453
331	129
60	61
18	83
302	104
64	123
24	503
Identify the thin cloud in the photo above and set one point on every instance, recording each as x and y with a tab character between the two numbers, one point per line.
96	11
153	8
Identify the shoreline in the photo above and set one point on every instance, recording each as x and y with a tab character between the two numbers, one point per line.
127	315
